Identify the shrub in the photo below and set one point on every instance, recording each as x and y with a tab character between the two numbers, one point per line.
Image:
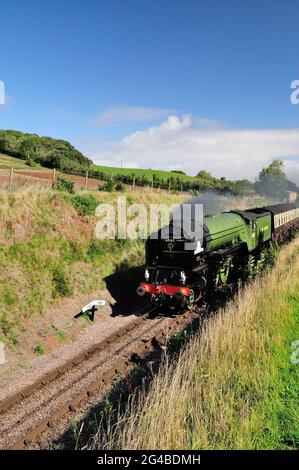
120	187
85	204
95	248
30	162
108	186
61	287
65	184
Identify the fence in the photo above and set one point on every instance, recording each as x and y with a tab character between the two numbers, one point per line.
22	178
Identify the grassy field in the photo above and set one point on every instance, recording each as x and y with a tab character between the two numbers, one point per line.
149	173
6	162
235	386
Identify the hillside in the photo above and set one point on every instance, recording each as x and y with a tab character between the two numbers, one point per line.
6	162
49	152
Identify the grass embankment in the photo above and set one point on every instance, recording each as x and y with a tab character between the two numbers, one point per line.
235	386
7	162
48	251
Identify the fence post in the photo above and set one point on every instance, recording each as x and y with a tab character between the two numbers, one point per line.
54	177
133	187
10	178
86	181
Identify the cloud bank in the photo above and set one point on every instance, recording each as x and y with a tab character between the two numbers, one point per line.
179	143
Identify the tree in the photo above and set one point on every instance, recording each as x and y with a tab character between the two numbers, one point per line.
243	187
272	181
204	174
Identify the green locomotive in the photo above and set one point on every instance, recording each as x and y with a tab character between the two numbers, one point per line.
219	257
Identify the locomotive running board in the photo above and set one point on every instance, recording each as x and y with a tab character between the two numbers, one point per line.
227	251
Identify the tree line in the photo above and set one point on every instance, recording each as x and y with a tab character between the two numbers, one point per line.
202	182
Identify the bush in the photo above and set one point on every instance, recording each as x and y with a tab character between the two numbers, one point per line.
65	184
85	204
30	162
120	187
108	186
61	287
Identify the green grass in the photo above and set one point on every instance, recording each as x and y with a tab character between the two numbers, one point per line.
163	175
281	411
6	162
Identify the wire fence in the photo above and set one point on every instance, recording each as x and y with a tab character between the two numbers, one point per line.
14	178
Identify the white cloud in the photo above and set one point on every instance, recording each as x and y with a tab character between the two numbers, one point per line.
177	144
128	115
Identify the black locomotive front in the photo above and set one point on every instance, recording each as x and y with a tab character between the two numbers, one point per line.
174	268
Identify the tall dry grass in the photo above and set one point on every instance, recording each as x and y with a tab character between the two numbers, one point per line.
233	387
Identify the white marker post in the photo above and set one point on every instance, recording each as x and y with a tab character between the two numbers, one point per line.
92	307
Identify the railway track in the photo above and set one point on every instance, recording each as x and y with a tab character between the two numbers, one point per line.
37	409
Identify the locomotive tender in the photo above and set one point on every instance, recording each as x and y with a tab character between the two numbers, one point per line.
178	277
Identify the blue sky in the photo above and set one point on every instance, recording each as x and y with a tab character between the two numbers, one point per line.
98	72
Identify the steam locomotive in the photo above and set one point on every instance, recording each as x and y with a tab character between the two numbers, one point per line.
178	276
